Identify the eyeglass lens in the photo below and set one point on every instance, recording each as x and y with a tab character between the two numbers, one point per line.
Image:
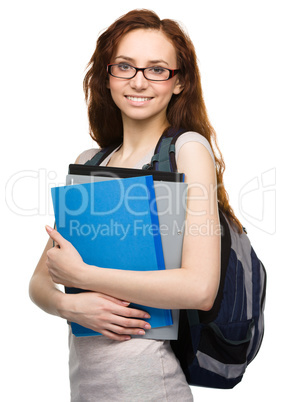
151	73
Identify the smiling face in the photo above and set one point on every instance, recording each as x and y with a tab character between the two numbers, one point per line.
138	98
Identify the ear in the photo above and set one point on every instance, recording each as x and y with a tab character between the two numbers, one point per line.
178	88
107	84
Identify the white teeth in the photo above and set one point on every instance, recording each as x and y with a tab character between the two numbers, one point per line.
135	99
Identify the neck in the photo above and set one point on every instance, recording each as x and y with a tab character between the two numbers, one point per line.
143	135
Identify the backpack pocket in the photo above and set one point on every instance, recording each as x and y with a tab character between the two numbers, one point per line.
222	355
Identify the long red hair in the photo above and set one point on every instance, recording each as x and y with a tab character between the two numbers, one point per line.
186	110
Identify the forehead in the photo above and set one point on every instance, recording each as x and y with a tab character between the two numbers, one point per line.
142	45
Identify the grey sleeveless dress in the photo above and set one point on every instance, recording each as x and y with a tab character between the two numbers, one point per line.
139	370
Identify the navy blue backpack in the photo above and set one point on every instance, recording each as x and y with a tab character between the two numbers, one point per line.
215	347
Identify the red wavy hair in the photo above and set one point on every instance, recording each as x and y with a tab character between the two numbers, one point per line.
186	110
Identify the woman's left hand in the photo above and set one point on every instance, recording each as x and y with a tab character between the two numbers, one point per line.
65	264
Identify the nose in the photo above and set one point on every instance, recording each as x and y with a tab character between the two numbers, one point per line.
139	81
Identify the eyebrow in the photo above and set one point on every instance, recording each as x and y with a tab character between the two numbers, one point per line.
149	62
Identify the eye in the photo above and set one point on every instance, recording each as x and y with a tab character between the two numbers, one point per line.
157	70
124	67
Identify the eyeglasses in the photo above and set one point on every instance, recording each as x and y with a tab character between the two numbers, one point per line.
126	71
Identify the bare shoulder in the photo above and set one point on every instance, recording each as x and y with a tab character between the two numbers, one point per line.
196	162
86	155
198	166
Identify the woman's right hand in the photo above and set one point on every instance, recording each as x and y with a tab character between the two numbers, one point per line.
105	314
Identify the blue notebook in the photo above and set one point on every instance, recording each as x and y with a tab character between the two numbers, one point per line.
113	224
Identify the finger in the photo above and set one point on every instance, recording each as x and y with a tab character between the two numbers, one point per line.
55	236
132	312
131	326
124	331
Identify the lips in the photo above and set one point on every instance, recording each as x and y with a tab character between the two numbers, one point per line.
138	98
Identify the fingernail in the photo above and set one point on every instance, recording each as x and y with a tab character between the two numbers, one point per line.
146	316
48	228
141	332
147	326
125	303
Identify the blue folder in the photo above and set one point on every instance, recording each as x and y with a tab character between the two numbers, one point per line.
113	224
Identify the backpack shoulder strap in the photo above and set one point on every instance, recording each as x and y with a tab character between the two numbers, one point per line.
100	156
164	158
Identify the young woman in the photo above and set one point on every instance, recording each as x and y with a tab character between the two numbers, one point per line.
142	79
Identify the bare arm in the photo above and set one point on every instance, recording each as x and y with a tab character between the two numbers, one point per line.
195	284
42	290
102	313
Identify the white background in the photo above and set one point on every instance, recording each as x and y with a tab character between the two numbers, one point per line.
44	51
